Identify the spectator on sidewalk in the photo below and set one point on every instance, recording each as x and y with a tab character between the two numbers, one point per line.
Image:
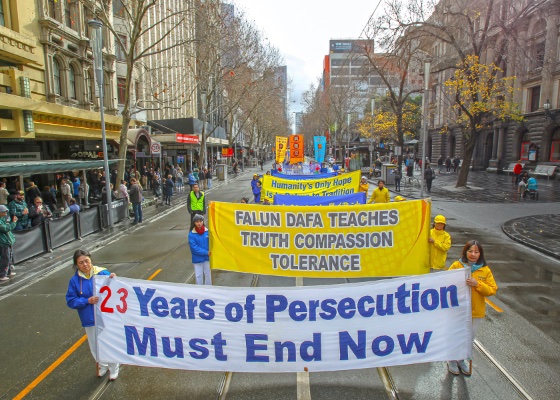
104	199
448	164
49	198
208	176
440	163
4	194
19	209
81	297
380	194
398	176
83	191
200	251
123	191
179	179
66	192
72	208
7	240
196	203
429	175
31	193
39	212
456	162
156	187
168	190
136	200
192	180
517	171
76	187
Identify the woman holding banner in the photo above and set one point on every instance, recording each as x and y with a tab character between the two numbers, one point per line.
200	251
80	296
482	285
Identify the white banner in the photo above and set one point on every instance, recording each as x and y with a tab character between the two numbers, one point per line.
291	329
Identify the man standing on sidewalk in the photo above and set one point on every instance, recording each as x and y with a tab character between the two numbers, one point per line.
18	208
7	240
135	195
196	203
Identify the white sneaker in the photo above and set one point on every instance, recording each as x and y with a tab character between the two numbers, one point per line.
464	367
4	278
12	273
114	374
453	367
102	370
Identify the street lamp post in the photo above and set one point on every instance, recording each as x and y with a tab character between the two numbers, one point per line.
371	142
425	130
96	46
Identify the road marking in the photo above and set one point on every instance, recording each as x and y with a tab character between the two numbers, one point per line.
494	306
303	384
60	359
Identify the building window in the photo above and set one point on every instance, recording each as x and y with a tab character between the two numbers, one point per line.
90	89
534	98
121	56
2	16
56	77
118	8
52	8
555	147
68	16
72	87
539	55
121	86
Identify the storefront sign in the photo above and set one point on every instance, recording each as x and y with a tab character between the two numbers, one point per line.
227	152
34	156
87	154
191	139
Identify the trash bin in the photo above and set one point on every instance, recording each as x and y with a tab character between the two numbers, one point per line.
388	173
221	171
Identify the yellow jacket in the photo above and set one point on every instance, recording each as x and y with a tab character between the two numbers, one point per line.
486	287
380	196
439	249
364	187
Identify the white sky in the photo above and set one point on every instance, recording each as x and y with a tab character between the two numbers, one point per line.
301	30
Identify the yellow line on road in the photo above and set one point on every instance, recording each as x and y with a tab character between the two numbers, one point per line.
60	359
494	306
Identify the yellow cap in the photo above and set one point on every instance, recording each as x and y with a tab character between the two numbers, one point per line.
439	219
399	198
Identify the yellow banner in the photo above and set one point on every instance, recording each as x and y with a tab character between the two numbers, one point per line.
334	186
281	147
296	149
388	239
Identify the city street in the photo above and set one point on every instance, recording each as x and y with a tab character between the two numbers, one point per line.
517	352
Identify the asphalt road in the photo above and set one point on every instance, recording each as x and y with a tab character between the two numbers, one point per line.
518	344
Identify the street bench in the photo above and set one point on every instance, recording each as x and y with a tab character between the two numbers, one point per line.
510	167
544	170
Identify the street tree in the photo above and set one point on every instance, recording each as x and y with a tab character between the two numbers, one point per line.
142	29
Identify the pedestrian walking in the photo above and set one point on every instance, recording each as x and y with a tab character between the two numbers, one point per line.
179	179
7	240
208	175
196	203
200	250
380	194
456	162
398	176
80	296
517	171
440	243
482	285
135	195
429	175
440	163
168	190
448	164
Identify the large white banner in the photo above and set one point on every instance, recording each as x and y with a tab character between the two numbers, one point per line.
291	329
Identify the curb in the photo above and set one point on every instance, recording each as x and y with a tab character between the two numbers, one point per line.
509	229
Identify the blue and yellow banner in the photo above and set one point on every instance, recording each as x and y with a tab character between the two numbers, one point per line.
347	199
389	239
334	186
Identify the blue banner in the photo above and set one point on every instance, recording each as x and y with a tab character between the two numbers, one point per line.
320	145
290	200
299	177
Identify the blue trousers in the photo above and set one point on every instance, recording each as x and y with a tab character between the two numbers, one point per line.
137	207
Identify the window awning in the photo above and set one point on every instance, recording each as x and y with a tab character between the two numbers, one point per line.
26	168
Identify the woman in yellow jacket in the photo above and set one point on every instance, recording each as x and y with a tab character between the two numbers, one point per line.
482	285
440	242
364	185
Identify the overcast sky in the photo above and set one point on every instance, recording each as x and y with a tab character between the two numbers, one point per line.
301	30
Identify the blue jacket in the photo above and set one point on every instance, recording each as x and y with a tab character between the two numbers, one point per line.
169	187
257	192
200	246
192	179
79	291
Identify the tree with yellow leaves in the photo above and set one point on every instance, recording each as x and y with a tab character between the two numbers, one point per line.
480	97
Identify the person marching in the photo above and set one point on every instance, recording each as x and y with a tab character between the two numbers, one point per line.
196	203
482	285
257	192
440	243
364	185
380	194
199	244
80	297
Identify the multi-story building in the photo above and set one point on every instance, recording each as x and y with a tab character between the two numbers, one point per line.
48	109
532	57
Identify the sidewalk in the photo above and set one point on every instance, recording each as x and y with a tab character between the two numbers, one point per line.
541	232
